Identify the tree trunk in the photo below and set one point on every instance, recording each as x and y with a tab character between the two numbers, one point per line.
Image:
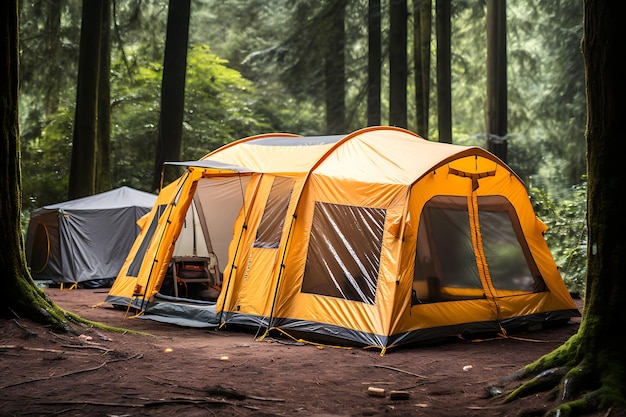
334	71
374	57
83	169
398	14
444	72
20	296
594	356
53	49
496	112
422	11
103	153
172	90
604	33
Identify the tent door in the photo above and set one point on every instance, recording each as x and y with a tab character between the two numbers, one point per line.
472	247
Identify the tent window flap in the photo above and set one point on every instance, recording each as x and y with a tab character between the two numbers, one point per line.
271	226
133	269
343	258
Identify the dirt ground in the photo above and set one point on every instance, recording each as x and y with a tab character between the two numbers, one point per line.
199	372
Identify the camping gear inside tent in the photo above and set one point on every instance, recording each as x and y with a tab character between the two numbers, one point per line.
377	238
85	241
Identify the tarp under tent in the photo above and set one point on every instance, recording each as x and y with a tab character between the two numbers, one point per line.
377	238
84	242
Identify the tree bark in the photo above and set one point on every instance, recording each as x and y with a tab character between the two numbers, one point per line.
444	71
398	72
374	57
83	167
594	356
334	71
53	49
422	11
103	153
19	295
169	146
604	33
496	111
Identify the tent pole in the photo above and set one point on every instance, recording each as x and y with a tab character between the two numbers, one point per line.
280	272
172	204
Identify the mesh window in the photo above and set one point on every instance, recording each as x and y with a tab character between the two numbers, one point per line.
510	264
135	265
445	258
343	257
271	226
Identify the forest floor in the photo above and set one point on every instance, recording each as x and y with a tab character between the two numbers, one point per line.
184	371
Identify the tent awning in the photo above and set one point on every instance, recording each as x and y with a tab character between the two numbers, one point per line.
206	163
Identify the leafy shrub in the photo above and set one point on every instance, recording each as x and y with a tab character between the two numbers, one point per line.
567	232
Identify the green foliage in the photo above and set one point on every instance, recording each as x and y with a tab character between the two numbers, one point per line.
567	232
46	163
263	73
219	104
219	108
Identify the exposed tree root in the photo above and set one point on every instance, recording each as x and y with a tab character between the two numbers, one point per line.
544	381
580	383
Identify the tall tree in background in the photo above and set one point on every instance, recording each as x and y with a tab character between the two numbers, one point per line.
103	153
444	71
422	19
172	90
53	46
592	362
398	63
334	70
374	62
83	166
496	111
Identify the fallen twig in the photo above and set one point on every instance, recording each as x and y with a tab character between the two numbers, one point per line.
254	397
220	391
105	350
32	348
202	400
26	329
81	402
138	355
399	370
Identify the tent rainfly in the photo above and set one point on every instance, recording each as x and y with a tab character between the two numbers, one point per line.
378	238
85	241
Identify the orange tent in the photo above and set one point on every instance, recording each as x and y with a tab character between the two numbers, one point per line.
377	238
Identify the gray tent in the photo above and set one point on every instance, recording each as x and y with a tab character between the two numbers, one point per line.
85	241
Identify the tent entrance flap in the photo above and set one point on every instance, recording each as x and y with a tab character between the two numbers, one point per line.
446	265
206	231
209	222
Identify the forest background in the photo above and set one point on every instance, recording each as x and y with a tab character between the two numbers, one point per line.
257	66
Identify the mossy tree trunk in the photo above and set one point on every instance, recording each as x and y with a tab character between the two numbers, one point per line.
20	296
592	362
